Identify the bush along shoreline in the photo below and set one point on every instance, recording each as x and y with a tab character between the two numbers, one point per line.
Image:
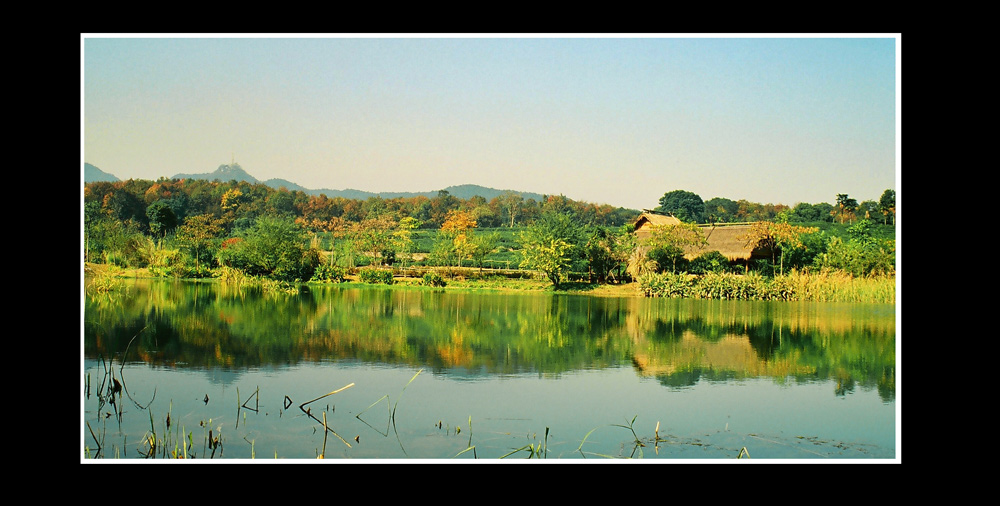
794	286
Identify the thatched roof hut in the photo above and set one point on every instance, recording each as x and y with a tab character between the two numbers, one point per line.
644	224
724	238
729	240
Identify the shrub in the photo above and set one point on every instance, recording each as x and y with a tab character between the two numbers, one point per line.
859	258
713	261
668	258
666	284
272	247
326	273
433	279
375	276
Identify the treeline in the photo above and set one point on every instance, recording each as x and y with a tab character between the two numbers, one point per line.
197	228
156	207
689	207
188	227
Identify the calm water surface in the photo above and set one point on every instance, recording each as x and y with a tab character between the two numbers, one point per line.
423	374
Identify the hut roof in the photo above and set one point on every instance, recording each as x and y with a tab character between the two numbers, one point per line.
655	219
728	240
725	238
647	220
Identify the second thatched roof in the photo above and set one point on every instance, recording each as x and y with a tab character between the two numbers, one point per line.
729	240
724	238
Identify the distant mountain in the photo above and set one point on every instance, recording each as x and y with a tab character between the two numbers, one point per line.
92	174
464	192
224	173
230	172
284	183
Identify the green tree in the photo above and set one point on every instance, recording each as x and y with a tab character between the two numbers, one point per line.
273	247
887	206
281	202
805	213
685	205
550	245
199	233
845	207
667	243
552	257
607	252
776	238
403	236
161	218
720	210
375	237
110	240
482	246
511	202
860	255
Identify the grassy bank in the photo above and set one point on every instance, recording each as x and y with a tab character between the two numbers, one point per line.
794	286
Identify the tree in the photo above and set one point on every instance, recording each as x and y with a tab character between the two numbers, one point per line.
550	256
403	237
374	237
440	206
274	247
550	245
161	218
198	233
511	202
845	207
887	206
804	212
607	252
824	212
281	202
685	205
720	210
667	243
775	237
482	245
456	232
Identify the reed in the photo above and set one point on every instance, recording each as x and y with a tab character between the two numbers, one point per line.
534	450
106	279
826	286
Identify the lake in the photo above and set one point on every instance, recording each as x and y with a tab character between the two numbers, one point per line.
202	370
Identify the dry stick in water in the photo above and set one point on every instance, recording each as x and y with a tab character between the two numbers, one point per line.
325	428
341	389
325	433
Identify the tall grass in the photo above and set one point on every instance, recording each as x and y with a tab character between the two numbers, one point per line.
103	279
828	286
239	280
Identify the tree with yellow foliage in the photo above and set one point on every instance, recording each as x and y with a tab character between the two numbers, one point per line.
456	234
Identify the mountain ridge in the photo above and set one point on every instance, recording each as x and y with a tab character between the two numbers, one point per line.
230	172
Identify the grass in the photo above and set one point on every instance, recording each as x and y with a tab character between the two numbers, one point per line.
832	286
794	286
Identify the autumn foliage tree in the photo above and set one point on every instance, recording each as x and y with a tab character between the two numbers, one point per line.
457	235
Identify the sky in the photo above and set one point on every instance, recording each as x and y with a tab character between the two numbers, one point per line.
606	119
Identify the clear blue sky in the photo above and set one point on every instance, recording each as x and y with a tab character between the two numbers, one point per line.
616	120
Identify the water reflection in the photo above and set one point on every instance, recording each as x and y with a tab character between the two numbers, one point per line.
678	342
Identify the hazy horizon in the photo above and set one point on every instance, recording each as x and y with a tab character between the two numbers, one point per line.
599	119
